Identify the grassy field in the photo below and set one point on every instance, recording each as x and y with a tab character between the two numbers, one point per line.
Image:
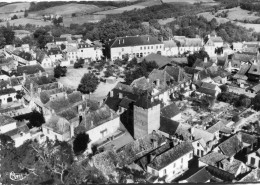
14	7
189	1
82	19
165	21
132	7
240	14
67	9
24	21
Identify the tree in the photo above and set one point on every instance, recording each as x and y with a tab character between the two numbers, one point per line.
56	156
14	17
79	63
197	55
88	83
109	72
42	36
25	13
59	71
36	119
243	101
224	88
80	143
57	21
8	34
256	102
62	47
76	174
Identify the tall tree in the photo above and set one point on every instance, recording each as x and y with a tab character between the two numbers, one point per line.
88	83
80	143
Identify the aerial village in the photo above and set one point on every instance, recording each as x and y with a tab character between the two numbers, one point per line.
181	123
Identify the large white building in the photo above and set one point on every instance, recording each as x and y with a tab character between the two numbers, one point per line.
134	46
213	43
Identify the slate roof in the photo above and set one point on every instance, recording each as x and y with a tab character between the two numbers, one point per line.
171	155
216	39
200	64
169	43
54	51
16	132
160	60
7	91
231	167
29	69
170	111
248	138
184	131
206	91
190	70
5	120
168	126
45	95
256	88
133	41
160	75
231	146
60	39
243	57
71	49
182	60
205	135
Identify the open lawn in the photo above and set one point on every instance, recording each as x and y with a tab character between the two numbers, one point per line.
132	7
24	21
9	8
73	77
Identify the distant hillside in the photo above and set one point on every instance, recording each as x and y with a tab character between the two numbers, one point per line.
14	7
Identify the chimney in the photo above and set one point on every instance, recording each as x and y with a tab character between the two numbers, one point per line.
152	99
83	97
205	59
120	95
40	73
47	75
148	39
39	90
65	95
192	130
158	82
208	36
231	159
52	111
111	93
123	41
24	76
91	124
111	115
239	136
118	41
148	80
161	38
31	87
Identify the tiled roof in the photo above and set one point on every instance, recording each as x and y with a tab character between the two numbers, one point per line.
219	126
171	155
25	55
184	131
199	63
192	42
244	57
253	176
231	146
58	124
134	41
45	95
30	69
205	135
141	83
170	111
159	59
63	103
182	60
208	85
169	43
69	114
168	126
57	39
248	138
98	117
160	75
202	176
253	50
244	69
71	49
212	158
231	167
256	88
125	102
5	120
176	72
190	70
255	69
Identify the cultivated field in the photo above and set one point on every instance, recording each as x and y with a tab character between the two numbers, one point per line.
14	7
256	27
132	7
24	21
67	9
